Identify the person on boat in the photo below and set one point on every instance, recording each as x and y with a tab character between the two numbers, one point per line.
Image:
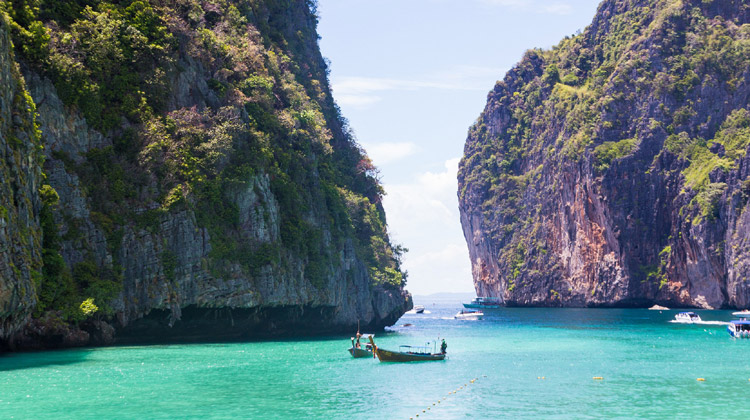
358	337
443	347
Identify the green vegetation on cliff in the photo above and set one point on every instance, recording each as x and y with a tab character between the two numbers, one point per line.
614	142
20	179
201	100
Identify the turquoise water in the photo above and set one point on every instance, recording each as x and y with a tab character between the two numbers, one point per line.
649	368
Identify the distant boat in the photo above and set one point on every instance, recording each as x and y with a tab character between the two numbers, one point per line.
360	349
687	317
484	303
742	314
408	353
739	328
474	315
419	309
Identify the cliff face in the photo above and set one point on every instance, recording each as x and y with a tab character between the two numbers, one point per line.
20	175
208	186
613	169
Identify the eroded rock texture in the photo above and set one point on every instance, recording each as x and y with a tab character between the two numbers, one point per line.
208	186
20	175
612	170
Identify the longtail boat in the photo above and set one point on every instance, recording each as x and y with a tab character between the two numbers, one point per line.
406	354
359	350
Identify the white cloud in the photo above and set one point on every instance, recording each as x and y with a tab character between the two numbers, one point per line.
450	252
423	215
442	182
359	101
360	91
388	152
355	85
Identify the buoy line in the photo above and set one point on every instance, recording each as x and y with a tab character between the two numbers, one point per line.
435	404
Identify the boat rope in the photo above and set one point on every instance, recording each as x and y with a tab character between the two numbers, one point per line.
429	408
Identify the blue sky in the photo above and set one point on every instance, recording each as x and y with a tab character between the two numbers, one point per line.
412	76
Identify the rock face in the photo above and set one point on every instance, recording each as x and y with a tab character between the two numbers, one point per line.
20	175
613	169
218	194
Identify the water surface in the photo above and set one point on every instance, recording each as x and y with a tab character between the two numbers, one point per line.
528	363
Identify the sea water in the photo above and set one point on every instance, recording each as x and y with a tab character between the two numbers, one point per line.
524	363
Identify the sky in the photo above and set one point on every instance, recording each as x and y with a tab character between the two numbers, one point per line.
411	76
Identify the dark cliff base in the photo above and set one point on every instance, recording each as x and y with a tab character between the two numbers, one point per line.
209	324
197	325
623	304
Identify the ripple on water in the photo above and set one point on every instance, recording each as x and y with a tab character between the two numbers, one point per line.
648	367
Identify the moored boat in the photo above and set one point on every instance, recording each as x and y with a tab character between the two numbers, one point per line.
739	328
483	303
742	314
419	309
474	315
357	349
409	353
687	317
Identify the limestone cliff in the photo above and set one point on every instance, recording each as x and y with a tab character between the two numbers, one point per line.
208	186
612	170
20	175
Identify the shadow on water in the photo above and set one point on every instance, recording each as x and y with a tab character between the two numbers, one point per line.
50	358
32	360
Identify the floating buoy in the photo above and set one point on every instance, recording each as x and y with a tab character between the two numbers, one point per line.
598	377
701	379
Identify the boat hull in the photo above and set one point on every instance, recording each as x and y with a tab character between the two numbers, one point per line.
738	333
357	353
469	317
395	356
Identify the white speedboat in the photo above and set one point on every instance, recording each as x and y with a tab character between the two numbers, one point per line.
419	309
742	314
739	328
687	317
464	314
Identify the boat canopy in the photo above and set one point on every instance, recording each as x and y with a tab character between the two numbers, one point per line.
426	349
740	321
